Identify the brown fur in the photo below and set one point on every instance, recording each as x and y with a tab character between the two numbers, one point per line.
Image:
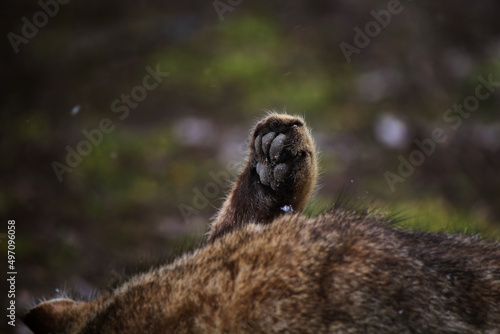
340	272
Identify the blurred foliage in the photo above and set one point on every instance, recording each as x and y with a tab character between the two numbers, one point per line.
254	60
124	198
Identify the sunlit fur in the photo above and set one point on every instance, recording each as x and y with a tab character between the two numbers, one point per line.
272	271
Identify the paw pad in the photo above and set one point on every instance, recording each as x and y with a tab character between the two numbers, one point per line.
273	152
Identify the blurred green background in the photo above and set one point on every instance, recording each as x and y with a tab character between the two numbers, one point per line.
150	185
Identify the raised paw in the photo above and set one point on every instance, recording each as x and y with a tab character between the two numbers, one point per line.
279	177
278	143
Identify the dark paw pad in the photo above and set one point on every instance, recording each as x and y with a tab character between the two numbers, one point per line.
275	150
